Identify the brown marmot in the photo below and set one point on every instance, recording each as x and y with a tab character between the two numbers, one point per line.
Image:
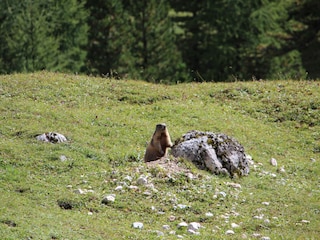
159	144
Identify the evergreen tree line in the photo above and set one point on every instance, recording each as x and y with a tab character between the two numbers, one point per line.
161	40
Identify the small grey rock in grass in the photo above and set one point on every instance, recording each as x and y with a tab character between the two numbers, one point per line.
118	188
142	180
273	162
138	225
80	191
128	178
159	233
265	238
229	232
52	137
234	225
209	214
166	227
195	226
193	232
108	199
63	158
182	224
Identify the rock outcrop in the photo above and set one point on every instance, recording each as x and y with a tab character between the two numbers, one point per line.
216	152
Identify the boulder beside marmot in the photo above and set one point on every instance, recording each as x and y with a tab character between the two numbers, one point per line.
159	144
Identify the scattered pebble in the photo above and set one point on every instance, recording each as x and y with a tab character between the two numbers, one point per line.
273	162
138	225
63	158
193	232
234	225
223	194
179	236
305	221
166	227
194	226
108	199
182	206
128	178
266	203
142	180
209	214
159	233
69	186
265	238
313	160
182	224
132	187
234	185
259	217
172	218
79	191
118	188
229	232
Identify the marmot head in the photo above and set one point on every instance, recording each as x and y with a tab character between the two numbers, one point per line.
161	127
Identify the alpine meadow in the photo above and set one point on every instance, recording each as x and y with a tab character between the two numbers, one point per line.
85	83
57	191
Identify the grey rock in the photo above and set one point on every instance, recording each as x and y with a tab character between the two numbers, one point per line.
52	137
218	153
138	225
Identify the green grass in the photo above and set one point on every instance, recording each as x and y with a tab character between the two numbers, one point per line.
108	123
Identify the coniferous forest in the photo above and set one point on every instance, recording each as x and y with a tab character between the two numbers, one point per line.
161	40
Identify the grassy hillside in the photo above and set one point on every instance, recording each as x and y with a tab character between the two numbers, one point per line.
108	123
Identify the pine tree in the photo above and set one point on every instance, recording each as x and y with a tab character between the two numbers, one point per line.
37	35
158	58
110	39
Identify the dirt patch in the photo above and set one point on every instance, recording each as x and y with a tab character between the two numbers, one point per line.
169	166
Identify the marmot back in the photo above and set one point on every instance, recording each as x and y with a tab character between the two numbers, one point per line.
159	144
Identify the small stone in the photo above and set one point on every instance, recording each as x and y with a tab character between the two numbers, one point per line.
159	233
69	186
147	193
171	218
108	199
182	224
138	225
63	158
133	187
128	178
265	238
179	236
193	232
166	227
79	191
194	226
266	221
259	217
209	214
172	232
234	185
266	203
190	176
229	232
142	180
281	170
182	206
313	160
90	213
153	208
222	194
273	162
256	235
118	188
305	221
234	225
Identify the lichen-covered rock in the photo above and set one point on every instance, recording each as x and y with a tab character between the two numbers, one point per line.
52	137
215	152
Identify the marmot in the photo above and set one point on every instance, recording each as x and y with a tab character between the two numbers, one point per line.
159	144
